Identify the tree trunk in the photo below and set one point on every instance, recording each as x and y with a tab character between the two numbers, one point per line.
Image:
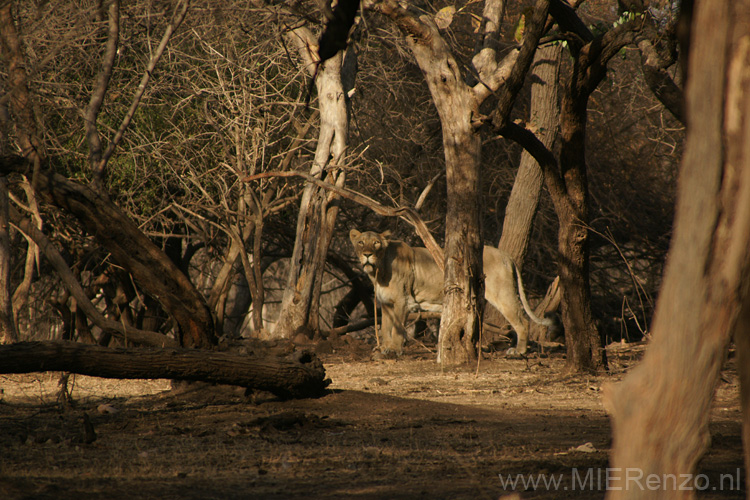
582	337
463	302
8	331
458	107
527	187
300	375
582	340
660	412
318	210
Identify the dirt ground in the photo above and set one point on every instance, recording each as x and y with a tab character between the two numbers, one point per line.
388	429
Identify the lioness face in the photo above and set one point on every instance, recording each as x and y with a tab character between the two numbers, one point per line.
370	248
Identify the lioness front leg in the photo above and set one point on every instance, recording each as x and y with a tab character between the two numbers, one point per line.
394	333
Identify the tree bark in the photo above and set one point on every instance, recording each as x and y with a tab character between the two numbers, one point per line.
318	208
8	331
569	192
464	281
660	412
298	376
527	187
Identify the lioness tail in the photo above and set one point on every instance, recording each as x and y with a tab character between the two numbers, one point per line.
522	293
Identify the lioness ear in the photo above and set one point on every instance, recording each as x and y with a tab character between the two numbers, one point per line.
354	236
386	235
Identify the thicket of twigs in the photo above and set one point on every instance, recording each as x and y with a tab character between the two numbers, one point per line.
227	100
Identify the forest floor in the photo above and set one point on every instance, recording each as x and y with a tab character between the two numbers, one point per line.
388	429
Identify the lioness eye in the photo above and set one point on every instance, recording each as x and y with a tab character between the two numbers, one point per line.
377	244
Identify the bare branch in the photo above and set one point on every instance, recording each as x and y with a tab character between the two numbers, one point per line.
426	191
70	282
407	22
102	83
514	81
406	213
99	169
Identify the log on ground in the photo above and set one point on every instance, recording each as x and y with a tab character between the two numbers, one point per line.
298	375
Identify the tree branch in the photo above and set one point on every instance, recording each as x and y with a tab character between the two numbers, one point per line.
102	82
543	156
407	213
514	81
407	22
100	168
121	331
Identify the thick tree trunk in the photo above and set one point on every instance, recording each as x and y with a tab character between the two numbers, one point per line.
582	339
660	412
130	248
318	209
298	376
463	302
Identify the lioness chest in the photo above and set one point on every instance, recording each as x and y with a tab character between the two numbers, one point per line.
414	279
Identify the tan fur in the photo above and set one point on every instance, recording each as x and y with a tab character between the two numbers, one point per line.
407	279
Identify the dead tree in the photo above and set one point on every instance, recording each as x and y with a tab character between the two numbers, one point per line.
101	217
660	412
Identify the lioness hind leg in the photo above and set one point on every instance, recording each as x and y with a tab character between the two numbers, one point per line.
514	315
500	291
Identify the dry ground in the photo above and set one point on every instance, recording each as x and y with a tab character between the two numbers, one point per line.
388	429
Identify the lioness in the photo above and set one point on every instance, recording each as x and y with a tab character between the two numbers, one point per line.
407	279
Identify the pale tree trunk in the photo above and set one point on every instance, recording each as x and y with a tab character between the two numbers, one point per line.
8	331
527	187
660	412
318	209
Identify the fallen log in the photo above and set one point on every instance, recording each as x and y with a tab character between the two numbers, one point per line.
299	375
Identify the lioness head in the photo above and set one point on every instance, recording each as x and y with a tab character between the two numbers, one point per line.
370	248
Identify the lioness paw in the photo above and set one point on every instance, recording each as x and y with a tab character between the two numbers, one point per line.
515	353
